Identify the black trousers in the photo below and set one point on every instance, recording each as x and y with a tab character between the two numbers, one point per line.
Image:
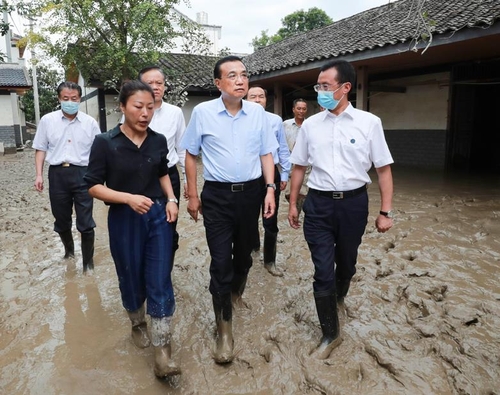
173	173
67	188
333	230
230	220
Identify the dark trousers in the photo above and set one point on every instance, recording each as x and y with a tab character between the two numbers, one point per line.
230	220
141	247
67	188
333	230
173	173
271	224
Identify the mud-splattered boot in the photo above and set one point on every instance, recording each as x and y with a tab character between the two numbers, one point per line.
69	245
161	340
326	306
224	343
88	239
140	335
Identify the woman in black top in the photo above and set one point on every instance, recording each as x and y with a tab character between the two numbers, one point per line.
128	170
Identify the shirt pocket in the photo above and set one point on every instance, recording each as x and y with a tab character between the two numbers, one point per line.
253	142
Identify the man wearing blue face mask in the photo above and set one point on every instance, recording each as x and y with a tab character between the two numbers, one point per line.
63	139
342	143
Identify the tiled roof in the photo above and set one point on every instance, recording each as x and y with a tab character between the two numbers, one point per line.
386	25
13	75
198	69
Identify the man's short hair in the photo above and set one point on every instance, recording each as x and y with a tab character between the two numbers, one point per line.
258	86
149	68
345	71
299	100
70	85
220	62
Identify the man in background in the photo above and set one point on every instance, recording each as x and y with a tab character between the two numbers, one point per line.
63	139
258	95
292	127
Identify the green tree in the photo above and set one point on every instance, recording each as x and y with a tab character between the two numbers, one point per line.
110	40
297	22
47	79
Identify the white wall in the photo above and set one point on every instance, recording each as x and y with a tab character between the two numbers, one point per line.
6	116
423	106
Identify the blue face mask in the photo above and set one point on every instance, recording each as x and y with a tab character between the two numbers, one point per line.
70	107
326	99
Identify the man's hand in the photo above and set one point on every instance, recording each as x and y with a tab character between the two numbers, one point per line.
283	185
269	203
172	211
383	223
293	216
39	183
194	207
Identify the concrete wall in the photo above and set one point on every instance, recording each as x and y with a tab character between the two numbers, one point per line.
423	106
415	122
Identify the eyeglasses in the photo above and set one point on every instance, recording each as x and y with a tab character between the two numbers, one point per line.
323	87
234	76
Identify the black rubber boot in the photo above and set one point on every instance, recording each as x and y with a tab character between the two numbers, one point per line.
326	306
342	289
224	344
237	288
270	253
69	245
88	250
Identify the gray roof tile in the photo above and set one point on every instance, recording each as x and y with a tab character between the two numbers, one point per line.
14	76
389	24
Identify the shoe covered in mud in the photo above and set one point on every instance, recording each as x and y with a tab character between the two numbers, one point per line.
161	340
326	306
164	365
140	335
69	245
224	343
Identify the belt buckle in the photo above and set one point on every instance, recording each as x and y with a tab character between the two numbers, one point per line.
65	164
337	195
237	187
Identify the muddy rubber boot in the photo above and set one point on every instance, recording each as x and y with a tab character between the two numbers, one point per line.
161	339
224	343
342	289
88	239
69	245
326	306
140	335
270	253
237	288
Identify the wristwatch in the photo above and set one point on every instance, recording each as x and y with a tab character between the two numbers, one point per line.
271	186
173	200
388	214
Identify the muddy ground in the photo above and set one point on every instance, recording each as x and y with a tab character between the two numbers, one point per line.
422	316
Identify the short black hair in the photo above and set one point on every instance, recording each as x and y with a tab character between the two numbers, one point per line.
258	86
70	85
299	100
220	62
130	87
345	71
149	68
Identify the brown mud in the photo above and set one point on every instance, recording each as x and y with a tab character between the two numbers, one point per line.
422	315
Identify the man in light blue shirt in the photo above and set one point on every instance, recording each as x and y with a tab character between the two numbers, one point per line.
257	94
236	142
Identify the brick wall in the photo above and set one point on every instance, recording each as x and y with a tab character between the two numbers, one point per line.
419	148
8	138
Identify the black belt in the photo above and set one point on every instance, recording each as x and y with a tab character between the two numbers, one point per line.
66	164
234	187
340	194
